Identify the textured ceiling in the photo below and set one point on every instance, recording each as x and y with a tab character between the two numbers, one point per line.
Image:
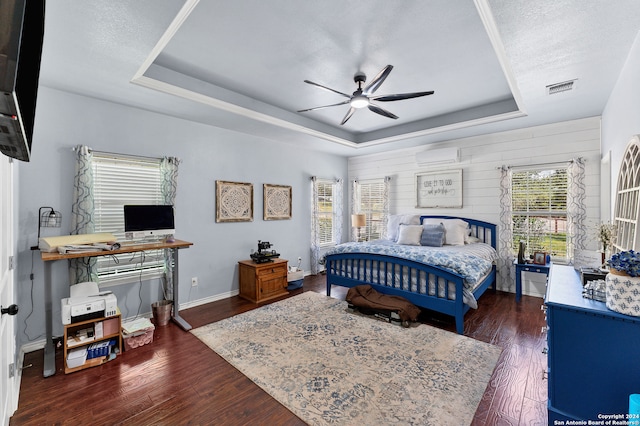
241	65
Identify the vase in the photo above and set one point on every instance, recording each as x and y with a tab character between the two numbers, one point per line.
623	293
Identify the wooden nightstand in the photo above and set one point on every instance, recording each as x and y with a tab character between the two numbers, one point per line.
262	281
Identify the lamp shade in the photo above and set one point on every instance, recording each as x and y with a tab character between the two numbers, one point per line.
358	220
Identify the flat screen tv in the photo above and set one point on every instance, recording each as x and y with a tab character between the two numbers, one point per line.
21	36
144	221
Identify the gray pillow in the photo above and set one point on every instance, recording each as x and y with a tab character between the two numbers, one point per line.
432	235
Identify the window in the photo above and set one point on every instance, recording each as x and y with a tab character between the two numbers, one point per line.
325	212
371	201
120	180
628	198
539	215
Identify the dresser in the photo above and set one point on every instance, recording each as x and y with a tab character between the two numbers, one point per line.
593	352
260	282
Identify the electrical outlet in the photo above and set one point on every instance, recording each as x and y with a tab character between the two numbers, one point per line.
194	282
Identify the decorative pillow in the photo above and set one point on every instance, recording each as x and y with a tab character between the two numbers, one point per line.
410	235
432	235
396	220
455	230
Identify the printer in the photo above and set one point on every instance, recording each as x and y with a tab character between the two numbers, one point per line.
87	302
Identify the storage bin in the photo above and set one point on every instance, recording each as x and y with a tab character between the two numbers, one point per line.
295	277
76	357
138	338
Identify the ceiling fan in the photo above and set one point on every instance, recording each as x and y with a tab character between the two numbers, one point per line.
363	97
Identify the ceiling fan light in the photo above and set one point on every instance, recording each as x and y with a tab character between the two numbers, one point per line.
359	101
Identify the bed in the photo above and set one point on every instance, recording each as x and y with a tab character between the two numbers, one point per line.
447	279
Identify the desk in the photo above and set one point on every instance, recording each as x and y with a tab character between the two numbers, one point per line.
49	258
528	267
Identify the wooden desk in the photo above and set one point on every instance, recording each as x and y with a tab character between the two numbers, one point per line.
49	258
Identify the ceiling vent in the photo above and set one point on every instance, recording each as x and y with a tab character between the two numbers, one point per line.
438	156
565	86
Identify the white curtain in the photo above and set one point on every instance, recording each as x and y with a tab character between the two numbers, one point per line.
169	170
338	210
506	271
385	205
355	206
82	214
576	211
315	227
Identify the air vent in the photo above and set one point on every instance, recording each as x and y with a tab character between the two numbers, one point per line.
565	86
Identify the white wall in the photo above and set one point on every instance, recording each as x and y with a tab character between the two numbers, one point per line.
207	153
621	116
480	158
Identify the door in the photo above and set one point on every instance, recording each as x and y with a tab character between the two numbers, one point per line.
8	378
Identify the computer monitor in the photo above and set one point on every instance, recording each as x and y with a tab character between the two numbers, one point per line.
144	221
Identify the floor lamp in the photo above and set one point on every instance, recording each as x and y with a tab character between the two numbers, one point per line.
358	221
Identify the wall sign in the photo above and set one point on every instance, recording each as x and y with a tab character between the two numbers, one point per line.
439	189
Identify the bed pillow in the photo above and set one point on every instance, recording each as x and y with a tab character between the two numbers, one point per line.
409	235
432	235
455	230
396	220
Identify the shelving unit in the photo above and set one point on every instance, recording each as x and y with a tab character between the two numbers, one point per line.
71	329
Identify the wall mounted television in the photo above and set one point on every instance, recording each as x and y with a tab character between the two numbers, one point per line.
21	36
145	221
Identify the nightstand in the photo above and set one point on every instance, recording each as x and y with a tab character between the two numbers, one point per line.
528	267
260	282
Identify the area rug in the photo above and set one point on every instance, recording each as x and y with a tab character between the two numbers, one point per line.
330	366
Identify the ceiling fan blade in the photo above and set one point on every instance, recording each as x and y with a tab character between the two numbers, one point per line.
348	116
377	80
327	88
325	106
381	111
400	96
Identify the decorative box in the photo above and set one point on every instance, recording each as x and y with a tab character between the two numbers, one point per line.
623	293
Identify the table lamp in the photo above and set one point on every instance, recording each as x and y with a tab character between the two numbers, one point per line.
358	221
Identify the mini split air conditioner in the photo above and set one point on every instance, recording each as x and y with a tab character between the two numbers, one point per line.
438	156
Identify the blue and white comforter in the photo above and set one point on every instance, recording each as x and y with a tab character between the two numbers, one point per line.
471	261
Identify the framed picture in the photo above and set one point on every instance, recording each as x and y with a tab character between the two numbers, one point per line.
234	201
441	189
277	202
540	258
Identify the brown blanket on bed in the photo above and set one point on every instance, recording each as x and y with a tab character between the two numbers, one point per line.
365	296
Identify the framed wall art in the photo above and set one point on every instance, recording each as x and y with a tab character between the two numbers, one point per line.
234	201
277	202
442	189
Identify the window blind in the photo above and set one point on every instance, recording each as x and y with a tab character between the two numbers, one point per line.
539	200
119	181
372	205
325	212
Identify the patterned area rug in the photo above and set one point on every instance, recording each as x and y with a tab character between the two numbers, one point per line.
329	366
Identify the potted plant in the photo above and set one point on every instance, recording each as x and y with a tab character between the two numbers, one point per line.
606	235
623	283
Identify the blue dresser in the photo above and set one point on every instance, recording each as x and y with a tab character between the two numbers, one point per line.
593	352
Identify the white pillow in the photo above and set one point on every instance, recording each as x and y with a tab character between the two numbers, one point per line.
456	230
395	220
410	235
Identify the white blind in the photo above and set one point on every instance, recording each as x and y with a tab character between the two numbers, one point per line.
325	211
372	205
120	180
539	198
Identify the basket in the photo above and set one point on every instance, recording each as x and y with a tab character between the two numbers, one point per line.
623	293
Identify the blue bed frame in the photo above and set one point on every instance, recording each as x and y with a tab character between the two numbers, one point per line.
347	270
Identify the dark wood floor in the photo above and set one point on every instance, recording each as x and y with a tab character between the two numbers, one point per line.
178	380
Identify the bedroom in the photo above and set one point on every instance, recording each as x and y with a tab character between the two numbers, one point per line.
68	119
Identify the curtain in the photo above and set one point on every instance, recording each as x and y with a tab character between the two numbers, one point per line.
338	210
385	205
315	227
355	203
576	211
506	271
82	214
169	171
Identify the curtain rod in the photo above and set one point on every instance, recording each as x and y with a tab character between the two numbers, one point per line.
115	154
555	164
